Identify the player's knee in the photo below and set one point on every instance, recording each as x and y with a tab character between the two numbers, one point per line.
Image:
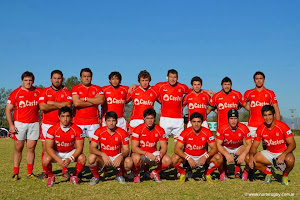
218	158
136	158
82	158
175	159
46	160
167	160
92	158
289	160
128	163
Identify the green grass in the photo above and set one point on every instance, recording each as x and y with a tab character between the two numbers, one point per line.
110	189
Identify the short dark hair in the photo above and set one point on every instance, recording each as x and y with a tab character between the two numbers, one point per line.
196	115
196	78
86	70
116	74
144	74
172	71
259	73
64	110
57	72
225	80
266	108
111	114
27	74
149	111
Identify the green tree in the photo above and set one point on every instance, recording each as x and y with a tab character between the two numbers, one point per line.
70	82
4	93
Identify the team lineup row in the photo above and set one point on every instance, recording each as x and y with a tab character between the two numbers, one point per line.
173	96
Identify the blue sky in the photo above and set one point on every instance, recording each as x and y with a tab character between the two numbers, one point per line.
210	39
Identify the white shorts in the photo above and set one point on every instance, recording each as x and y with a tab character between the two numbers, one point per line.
45	128
252	131
121	123
65	155
27	131
112	158
269	155
172	125
204	124
195	158
135	122
232	151
89	130
145	159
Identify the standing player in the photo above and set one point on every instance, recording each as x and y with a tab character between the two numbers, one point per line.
87	98
114	148
197	101
50	101
230	144
143	97
255	99
191	147
24	124
280	144
144	147
225	100
115	95
64	144
171	95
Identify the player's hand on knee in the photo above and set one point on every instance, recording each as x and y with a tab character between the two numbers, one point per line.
202	160
66	162
151	156
229	158
192	163
280	159
157	158
60	163
118	161
251	162
106	160
240	159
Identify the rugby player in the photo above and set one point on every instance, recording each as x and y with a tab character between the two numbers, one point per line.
86	99
192	148
50	101
24	123
64	144
142	97
280	144
115	99
255	99
225	100
113	151
230	144
197	101
144	147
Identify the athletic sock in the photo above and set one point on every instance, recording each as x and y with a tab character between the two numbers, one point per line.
64	170
136	169
79	167
44	167
94	170
29	168
179	168
161	167
49	170
16	170
267	171
212	166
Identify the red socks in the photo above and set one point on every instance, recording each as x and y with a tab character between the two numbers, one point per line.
161	167
212	166
64	170
78	169
94	170
267	171
179	168
136	169
29	168
49	170
16	170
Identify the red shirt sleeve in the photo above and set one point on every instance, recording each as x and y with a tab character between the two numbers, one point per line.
79	135
125	138
74	90
273	98
182	137
68	97
258	134
43	97
136	134
163	136
12	98
210	137
50	133
96	136
212	101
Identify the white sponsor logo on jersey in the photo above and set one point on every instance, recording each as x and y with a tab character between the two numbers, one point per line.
222	106
142	102
115	101
109	147
196	105
257	103
194	147
64	144
23	104
171	98
147	144
274	142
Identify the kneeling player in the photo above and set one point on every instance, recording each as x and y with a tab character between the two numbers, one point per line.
191	147
62	138
230	144
280	145
144	147
114	148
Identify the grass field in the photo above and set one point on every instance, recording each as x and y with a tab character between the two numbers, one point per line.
111	189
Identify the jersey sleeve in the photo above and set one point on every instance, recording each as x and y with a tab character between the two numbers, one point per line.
211	138
50	133
12	98
43	96
287	131
247	134
273	98
212	101
74	90
258	134
186	89
79	135
163	136
125	138
136	134
96	137
245	98
219	134
100	91
129	96
240	98
181	138
68	97
184	103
